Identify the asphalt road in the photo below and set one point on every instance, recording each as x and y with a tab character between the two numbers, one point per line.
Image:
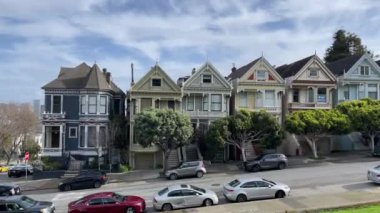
326	178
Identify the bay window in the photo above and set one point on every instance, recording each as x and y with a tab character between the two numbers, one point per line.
92	104
103	105
372	91
269	98
322	97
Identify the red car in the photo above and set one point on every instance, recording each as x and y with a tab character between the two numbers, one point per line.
108	202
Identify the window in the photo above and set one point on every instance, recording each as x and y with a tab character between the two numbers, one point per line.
108	200
96	201
372	91
188	192
176	193
157	104
73	132
92	104
313	73
261	75
234	183
190	103
171	105
163	191
205	103
361	91
310	92
207	78
269	97
346	93
83	104
102	136
262	184
243	99
57	104
216	102
259	99
82	136
251	184
364	70
296	95
322	97
103	105
91	136
156	82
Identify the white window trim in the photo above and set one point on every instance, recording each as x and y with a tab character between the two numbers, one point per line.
151	82
245	95
360	70
212	79
52	103
96	104
100	97
257	75
97	128
314	76
76	132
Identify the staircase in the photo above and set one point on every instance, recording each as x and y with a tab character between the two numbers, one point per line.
73	168
191	153
249	151
173	159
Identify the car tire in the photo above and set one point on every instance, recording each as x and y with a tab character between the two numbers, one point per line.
97	184
173	176
9	175
208	202
280	194
167	207
255	168
130	210
281	165
67	187
199	174
241	198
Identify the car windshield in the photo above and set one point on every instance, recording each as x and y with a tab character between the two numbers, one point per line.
27	202
269	181
198	189
234	183
163	191
119	197
377	167
259	157
79	201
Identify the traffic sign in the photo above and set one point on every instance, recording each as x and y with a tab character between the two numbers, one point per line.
26	156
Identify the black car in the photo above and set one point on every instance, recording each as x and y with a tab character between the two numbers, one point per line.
88	179
25	204
9	189
20	170
267	161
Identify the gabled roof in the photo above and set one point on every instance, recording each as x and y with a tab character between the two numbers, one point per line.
242	70
343	65
292	69
83	77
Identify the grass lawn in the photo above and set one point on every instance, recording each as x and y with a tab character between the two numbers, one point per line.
375	208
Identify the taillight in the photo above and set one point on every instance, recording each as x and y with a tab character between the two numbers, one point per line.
230	190
378	175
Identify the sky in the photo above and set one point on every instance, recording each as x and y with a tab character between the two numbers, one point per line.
37	38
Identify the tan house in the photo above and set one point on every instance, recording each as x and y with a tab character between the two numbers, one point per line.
155	90
256	86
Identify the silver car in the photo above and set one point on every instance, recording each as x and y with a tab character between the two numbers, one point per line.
186	169
374	174
241	190
183	196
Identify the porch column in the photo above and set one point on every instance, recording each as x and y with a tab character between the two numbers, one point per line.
97	136
138	105
85	136
264	103
228	105
86	105
365	90
60	136
315	96
153	100
275	98
97	104
223	107
209	102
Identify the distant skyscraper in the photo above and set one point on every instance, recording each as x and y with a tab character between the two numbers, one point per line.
37	107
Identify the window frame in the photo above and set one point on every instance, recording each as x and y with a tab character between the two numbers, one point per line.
243	99
171	104
104	97
60	103
261	78
207	75
155	81
325	94
83	104
76	132
92	104
214	103
205	102
274	98
364	70
312	71
97	204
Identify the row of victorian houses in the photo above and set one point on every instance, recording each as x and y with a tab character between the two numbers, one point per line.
80	102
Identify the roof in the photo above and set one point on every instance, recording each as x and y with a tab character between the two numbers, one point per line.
83	77
288	70
178	186
242	70
343	65
99	194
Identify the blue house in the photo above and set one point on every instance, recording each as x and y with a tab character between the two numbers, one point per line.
78	106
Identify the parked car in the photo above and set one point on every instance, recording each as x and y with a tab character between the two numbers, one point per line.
267	161
374	174
187	169
183	196
83	181
108	202
241	190
25	204
8	189
20	170
3	168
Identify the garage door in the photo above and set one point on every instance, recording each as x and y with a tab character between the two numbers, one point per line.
144	160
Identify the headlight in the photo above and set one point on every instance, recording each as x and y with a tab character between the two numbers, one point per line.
45	210
13	191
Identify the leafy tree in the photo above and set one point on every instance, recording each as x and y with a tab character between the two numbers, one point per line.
313	124
345	44
32	147
365	117
215	137
118	137
165	128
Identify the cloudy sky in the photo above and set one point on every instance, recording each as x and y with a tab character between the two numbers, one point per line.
38	37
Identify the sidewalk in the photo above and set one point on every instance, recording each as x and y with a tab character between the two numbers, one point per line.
314	203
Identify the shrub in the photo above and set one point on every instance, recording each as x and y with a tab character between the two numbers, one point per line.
123	168
49	165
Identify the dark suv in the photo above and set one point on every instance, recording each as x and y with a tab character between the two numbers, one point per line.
86	179
267	161
8	189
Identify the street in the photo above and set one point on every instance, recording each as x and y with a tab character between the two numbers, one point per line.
323	179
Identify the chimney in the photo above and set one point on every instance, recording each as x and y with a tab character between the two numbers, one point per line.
193	71
233	67
104	71
133	81
108	77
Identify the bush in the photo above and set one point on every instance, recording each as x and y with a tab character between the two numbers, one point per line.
123	168
49	165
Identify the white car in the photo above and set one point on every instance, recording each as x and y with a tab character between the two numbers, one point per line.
183	196
374	174
241	190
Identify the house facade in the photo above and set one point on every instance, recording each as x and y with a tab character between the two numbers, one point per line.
78	107
256	86
154	90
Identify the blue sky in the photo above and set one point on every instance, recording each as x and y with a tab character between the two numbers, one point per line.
39	37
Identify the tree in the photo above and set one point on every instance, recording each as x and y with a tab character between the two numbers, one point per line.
117	137
32	147
165	128
345	44
313	124
365	117
17	122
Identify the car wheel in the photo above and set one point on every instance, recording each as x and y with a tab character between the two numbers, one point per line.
199	174
208	202
255	168
97	184
281	165
241	198
280	194
167	207
130	210
9	175
173	176
67	188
